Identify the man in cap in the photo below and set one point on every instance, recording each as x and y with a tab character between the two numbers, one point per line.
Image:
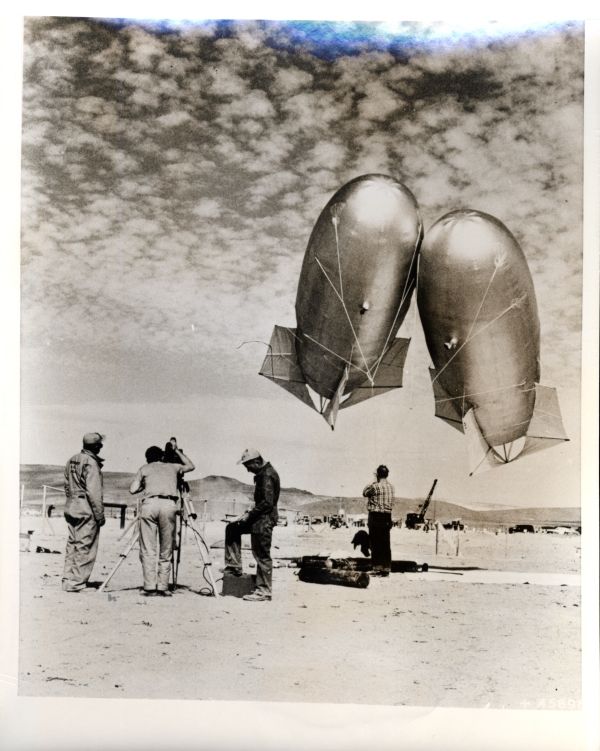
380	496
160	482
259	522
84	512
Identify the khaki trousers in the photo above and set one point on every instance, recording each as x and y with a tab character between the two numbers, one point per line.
157	535
80	553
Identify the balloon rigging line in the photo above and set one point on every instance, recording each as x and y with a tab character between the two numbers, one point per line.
405	293
287	356
508	427
335	222
479	393
482	301
335	354
464	344
547	414
341	299
411	381
253	341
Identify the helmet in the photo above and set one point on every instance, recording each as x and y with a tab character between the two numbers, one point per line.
90	439
248	455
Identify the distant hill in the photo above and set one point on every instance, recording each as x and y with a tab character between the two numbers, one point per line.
228	495
214	488
444	511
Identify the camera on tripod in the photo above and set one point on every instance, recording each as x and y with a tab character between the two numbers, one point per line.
184	520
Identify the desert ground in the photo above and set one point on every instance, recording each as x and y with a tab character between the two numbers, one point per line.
496	625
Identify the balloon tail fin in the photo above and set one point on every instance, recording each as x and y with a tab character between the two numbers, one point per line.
281	364
388	374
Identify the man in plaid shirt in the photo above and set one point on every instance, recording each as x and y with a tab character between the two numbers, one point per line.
379	506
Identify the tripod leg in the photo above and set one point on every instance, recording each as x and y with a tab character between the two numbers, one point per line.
176	554
207	563
127	528
122	557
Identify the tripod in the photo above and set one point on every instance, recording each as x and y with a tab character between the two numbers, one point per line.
182	520
187	518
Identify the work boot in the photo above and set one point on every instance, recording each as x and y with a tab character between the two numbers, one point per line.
231	571
257	597
149	592
164	593
380	571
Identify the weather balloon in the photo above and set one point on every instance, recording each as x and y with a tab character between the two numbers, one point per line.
477	304
354	290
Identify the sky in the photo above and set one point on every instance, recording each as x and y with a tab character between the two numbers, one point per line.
171	176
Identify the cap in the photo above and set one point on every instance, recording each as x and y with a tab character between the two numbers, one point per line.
89	439
248	455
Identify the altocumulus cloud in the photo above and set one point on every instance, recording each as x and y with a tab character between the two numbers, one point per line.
172	174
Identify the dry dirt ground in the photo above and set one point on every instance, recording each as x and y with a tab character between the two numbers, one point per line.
507	636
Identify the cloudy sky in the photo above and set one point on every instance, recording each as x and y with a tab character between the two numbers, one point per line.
171	176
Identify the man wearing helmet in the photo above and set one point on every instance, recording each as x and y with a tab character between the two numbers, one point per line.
259	522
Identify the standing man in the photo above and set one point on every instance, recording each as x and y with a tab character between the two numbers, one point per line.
159	480
379	506
259	522
84	512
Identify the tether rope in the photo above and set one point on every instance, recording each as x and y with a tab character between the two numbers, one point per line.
472	472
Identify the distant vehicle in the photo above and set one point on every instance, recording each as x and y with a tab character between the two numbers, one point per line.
562	530
416	520
521	528
282	521
336	521
454	524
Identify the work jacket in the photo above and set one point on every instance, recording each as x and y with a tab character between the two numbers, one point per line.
266	494
84	486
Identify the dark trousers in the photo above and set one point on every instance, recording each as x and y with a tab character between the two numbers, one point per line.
260	542
380	523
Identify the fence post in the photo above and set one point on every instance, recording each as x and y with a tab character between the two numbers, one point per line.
45	519
457	539
437	536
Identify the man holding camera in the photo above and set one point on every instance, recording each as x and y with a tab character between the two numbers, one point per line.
380	496
259	522
84	512
159	481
